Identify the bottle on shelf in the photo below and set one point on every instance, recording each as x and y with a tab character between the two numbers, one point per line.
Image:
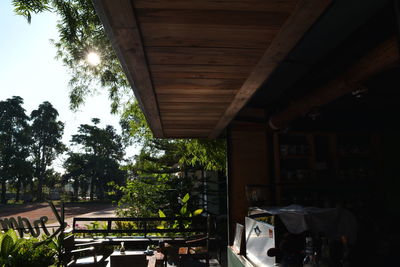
309	259
324	256
346	252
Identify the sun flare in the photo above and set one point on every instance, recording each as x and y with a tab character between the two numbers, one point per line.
93	58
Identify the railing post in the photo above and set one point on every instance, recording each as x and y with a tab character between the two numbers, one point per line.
145	229
109	223
208	239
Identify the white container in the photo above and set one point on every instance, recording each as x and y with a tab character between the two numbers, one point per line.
260	237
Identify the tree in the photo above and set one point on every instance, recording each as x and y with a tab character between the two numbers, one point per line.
77	173
47	134
205	153
103	151
15	140
22	174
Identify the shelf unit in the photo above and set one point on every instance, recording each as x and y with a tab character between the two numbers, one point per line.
324	169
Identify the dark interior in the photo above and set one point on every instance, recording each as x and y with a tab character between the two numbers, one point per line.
364	124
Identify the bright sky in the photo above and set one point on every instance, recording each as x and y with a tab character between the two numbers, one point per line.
28	69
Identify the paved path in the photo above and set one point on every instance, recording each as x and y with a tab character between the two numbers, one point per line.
34	211
107	212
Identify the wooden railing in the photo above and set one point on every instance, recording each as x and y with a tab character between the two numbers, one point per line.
146	226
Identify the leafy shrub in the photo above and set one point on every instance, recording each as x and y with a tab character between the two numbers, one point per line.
23	252
140	198
183	212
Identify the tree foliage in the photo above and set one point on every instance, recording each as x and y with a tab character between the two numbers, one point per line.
80	32
161	153
47	133
99	160
77	174
15	140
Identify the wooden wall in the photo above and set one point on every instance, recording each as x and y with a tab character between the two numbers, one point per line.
248	163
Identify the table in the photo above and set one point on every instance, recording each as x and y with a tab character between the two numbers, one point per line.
136	258
128	258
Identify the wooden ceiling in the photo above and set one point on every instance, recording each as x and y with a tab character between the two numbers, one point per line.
193	64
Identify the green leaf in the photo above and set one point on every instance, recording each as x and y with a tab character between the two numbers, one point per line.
186	198
53	245
161	214
7	245
183	210
197	212
2	235
12	234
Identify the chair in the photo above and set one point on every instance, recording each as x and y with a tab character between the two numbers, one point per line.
85	254
197	247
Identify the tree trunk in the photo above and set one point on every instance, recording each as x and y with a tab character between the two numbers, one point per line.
39	192
3	191
41	172
91	187
32	187
100	191
18	191
76	190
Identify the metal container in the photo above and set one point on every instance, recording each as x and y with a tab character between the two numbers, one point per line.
260	237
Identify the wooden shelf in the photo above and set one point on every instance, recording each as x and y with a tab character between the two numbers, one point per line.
326	148
295	157
355	155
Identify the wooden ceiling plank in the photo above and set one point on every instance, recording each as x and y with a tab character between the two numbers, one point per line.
248	5
193	99
172	109
200	71
199	92
199	110
214	84
304	16
189	124
131	54
191	106
222	18
193	119
192	35
177	118
189	130
203	56
190	114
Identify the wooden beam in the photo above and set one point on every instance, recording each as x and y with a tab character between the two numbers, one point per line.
303	17
378	59
120	23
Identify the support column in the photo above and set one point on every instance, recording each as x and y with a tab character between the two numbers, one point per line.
248	163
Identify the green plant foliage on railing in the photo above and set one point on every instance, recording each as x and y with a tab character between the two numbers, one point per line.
24	252
183	212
